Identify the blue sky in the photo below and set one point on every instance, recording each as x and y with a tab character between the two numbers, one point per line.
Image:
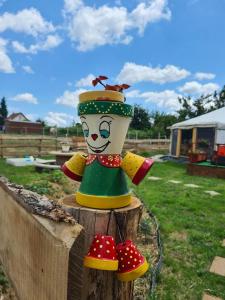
50	51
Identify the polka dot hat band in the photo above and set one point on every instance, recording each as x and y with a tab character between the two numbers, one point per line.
104	102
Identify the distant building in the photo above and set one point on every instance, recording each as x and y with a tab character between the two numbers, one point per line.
205	132
19	123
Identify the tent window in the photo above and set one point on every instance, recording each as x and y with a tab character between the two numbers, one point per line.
174	141
186	141
205	140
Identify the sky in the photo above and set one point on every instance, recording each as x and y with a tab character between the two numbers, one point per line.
51	50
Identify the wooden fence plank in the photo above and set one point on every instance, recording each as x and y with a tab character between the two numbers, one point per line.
42	258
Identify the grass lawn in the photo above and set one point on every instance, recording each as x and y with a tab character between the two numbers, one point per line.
192	224
192	228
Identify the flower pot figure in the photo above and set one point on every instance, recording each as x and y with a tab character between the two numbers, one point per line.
105	119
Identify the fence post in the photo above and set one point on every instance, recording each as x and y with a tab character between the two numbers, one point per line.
40	147
1	146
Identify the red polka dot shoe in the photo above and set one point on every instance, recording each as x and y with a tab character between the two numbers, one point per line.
102	254
131	263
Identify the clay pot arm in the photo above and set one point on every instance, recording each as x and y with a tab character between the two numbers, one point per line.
136	166
74	167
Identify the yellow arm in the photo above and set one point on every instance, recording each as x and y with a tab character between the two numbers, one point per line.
74	167
136	166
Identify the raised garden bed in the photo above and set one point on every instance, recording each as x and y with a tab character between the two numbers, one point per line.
206	169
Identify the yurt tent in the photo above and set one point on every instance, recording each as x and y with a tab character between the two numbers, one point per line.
201	133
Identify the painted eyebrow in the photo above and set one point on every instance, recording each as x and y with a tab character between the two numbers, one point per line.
106	117
82	117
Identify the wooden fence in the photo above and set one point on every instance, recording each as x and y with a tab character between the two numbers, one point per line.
19	146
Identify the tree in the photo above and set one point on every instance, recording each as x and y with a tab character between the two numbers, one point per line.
161	122
219	100
191	108
39	120
141	118
3	111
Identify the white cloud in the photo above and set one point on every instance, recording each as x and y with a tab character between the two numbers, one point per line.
149	12
132	73
90	27
196	88
32	117
164	99
204	76
6	65
70	98
72	5
50	42
58	119
25	97
28	69
28	21
86	81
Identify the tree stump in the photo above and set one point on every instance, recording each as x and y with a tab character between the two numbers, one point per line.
104	284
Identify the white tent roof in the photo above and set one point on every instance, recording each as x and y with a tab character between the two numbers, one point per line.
215	118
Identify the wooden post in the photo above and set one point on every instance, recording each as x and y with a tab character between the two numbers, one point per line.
40	147
41	246
104	284
179	136
194	139
1	146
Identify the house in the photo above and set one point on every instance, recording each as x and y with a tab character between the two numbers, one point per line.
19	123
201	133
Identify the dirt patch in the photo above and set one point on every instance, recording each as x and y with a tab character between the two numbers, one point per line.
178	236
147	244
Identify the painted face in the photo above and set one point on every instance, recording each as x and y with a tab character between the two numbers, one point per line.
104	134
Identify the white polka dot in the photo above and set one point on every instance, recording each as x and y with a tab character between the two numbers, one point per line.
107	242
135	259
103	237
131	251
140	260
121	258
94	249
99	255
131	256
107	251
127	249
100	246
125	253
134	266
123	266
97	241
113	247
113	257
128	262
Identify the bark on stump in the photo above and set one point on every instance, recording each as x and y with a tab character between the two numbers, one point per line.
99	285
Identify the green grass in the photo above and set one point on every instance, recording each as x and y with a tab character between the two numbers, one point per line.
192	229
50	183
192	225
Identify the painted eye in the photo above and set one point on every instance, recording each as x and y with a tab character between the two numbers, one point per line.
104	129
85	129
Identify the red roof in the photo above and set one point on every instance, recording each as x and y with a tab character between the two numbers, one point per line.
14	115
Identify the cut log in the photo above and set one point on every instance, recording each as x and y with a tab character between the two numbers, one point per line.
41	246
104	284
